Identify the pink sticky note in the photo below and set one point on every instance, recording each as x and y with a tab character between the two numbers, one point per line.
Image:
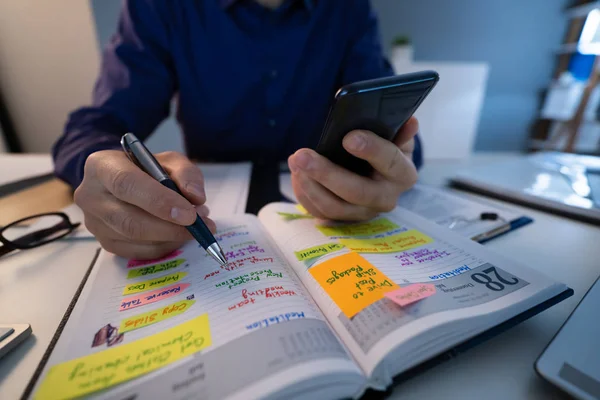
139	263
409	294
153	296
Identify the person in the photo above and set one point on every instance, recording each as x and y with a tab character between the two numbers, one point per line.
253	80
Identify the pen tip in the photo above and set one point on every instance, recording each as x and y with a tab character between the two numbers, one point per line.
217	253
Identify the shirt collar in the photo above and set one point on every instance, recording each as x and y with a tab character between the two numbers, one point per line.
309	4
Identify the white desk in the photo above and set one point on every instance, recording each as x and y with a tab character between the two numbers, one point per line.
36	287
502	368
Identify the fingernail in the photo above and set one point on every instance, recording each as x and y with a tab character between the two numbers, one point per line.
356	142
303	160
196	189
179	215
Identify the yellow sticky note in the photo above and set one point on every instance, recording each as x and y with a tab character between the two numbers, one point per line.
155	269
301	208
152	317
317	251
107	368
390	244
373	227
154	283
352	282
292	216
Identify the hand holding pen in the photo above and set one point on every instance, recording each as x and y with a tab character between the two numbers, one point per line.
141	156
130	213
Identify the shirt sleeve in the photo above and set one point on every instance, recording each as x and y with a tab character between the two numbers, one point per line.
132	94
364	57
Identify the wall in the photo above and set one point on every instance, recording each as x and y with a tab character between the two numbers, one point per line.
517	38
48	65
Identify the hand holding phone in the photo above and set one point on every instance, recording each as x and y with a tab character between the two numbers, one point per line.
381	106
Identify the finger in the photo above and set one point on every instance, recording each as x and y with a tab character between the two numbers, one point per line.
203	210
103	232
187	175
385	157
327	204
130	184
304	200
137	250
135	224
353	188
100	230
406	134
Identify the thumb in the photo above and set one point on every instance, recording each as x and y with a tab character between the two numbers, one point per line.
406	133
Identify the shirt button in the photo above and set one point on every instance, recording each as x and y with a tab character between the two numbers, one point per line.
272	123
274	73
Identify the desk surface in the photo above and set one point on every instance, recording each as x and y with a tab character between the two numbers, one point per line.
502	368
36	287
46	197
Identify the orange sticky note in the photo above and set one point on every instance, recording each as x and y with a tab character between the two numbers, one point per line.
352	282
411	293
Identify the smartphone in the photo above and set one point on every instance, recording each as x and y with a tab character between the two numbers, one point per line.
378	105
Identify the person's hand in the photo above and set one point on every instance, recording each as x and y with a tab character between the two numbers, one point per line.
329	191
131	214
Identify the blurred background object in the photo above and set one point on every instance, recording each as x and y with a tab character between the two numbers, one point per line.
568	119
48	64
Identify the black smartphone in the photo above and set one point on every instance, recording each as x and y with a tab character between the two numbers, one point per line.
378	105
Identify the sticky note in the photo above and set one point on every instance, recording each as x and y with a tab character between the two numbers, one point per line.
153	296
291	216
390	244
411	293
107	368
373	227
154	316
138	263
352	282
154	283
301	208
316	251
155	269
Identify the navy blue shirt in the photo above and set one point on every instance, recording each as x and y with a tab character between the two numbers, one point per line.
249	83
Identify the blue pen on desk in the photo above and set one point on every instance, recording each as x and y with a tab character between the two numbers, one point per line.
141	156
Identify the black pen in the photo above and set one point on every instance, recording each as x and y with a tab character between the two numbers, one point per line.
141	156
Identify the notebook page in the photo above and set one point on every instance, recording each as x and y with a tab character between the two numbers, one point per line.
226	187
256	310
453	266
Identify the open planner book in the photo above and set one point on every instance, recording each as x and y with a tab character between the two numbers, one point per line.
303	309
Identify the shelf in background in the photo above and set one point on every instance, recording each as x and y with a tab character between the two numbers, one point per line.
582	10
567	48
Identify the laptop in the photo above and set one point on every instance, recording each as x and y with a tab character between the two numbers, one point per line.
572	359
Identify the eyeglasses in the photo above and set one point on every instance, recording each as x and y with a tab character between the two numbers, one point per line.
35	231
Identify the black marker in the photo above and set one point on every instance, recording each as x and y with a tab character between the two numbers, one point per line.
141	156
